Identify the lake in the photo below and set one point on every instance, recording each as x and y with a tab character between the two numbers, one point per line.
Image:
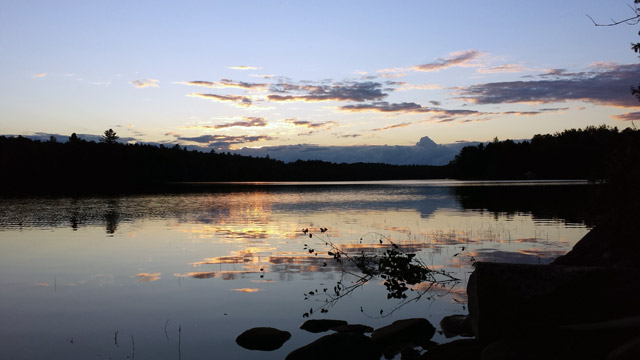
180	274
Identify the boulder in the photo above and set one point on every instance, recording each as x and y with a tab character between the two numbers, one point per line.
263	338
403	334
337	346
508	301
456	325
463	349
321	325
353	328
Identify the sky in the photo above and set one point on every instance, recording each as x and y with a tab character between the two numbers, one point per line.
288	76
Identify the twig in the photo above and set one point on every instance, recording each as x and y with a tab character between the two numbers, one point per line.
165	329
133	351
179	341
115	338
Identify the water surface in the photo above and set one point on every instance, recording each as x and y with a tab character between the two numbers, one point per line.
179	275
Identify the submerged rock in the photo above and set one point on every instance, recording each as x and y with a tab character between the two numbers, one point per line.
456	325
321	325
338	346
263	338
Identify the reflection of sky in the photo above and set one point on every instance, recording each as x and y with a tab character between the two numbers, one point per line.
218	264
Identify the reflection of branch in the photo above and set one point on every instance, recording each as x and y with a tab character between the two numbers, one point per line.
400	271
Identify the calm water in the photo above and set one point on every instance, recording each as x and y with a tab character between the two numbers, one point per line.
179	275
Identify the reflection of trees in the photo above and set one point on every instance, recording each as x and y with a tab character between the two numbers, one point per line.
112	216
400	271
572	204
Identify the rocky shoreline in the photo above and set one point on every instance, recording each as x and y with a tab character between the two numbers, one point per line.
585	305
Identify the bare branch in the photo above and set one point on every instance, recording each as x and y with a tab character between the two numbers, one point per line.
634	20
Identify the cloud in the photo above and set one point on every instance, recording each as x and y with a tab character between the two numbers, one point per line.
406	87
244	67
341	91
459	58
425	152
237	99
507	68
383	106
405	124
143	83
608	85
263	76
407	107
628	116
225	83
246	122
393	75
224	142
311	125
40	75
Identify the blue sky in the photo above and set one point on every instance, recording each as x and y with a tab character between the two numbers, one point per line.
228	75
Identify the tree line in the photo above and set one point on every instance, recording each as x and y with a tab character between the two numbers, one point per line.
594	153
106	166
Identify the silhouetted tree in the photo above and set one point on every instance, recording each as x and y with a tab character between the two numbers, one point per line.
109	137
73	138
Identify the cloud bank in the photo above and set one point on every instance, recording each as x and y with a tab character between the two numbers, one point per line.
605	84
425	152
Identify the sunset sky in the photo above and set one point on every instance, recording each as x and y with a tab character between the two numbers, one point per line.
227	75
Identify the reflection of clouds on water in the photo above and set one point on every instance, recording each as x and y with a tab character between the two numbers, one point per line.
522	256
148	277
246	290
197	275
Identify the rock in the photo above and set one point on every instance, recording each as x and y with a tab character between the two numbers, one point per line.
403	334
410	354
338	346
463	349
518	300
353	328
604	245
506	350
321	325
456	325
263	338
627	351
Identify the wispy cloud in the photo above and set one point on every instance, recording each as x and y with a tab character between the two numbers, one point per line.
507	68
465	58
143	83
459	58
226	83
236	99
602	86
245	122
311	125
401	125
407	87
244	67
40	75
383	106
629	116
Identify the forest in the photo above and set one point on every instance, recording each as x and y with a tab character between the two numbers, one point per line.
593	153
